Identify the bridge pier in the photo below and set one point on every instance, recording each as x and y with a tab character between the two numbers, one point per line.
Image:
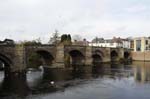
106	57
19	63
88	56
59	60
121	53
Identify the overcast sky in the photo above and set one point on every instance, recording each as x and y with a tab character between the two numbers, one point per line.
31	19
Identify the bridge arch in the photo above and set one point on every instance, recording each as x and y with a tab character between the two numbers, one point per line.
77	57
6	64
97	57
126	54
99	52
41	57
114	55
46	56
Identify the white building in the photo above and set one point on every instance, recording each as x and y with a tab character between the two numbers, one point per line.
142	44
106	44
112	43
126	43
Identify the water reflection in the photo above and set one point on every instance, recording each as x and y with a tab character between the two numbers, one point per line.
142	71
1	76
34	77
14	85
39	82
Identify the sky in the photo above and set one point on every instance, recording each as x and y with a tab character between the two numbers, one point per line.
31	19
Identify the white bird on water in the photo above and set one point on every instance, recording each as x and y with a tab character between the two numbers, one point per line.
52	82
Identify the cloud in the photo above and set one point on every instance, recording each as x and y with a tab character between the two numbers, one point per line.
136	9
31	19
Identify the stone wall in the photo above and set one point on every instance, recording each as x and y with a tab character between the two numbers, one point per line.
141	56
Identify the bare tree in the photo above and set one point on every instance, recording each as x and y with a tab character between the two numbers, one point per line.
54	38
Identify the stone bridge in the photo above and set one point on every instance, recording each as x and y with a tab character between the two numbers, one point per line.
18	57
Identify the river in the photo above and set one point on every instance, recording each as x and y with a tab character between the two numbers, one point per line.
105	81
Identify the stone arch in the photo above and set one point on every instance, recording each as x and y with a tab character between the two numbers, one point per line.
97	57
99	52
46	56
41	57
5	59
114	55
7	64
77	57
126	55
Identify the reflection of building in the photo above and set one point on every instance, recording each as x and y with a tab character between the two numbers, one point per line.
142	44
142	71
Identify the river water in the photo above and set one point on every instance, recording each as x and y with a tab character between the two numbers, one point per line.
105	81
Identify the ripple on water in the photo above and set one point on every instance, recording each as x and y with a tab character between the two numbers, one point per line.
1	76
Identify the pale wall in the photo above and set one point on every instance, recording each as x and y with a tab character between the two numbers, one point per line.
141	56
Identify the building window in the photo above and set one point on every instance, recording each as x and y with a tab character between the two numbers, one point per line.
146	42
138	45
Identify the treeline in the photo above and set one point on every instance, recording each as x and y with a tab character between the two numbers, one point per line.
31	43
55	40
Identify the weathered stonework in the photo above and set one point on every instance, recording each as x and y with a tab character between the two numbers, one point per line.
17	56
88	55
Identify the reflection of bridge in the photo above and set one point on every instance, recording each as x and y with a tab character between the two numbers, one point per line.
16	57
